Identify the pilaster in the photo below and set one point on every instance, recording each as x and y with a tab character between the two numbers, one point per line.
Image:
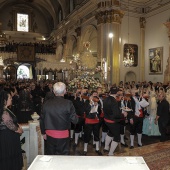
142	50
167	70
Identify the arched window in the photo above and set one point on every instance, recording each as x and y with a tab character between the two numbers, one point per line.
72	5
60	15
22	22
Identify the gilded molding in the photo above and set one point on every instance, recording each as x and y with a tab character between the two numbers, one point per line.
109	16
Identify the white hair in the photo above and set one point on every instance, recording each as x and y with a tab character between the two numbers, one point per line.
59	88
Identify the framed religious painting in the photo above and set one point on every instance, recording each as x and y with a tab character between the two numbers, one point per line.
26	53
156	60
130	55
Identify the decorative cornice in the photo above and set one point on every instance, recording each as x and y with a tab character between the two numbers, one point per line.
55	66
108	3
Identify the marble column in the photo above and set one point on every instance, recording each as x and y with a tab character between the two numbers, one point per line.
142	51
109	18
115	49
167	70
1	68
101	43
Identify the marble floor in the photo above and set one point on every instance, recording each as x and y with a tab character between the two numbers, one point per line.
155	153
146	141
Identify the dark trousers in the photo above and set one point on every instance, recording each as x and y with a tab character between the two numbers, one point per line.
122	126
114	131
88	129
79	126
137	125
104	127
57	146
162	128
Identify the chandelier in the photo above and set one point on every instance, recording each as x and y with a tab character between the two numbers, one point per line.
129	59
3	38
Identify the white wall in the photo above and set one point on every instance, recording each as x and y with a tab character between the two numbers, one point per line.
156	36
134	38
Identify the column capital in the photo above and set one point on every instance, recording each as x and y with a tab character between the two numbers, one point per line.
167	24
142	21
109	16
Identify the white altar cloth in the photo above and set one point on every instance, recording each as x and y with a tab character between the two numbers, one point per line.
88	163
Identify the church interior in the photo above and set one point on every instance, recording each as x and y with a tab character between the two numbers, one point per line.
111	41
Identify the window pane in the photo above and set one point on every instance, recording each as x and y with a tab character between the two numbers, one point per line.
22	22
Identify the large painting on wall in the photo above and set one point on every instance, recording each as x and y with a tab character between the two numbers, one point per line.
156	60
26	53
130	55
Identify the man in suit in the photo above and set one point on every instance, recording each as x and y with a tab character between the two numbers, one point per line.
163	116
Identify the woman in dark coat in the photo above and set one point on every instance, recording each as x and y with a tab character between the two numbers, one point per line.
10	147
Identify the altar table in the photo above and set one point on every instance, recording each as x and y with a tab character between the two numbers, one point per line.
50	162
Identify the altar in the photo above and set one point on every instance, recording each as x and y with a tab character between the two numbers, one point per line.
88	163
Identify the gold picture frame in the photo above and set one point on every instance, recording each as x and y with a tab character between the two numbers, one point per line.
130	55
25	53
156	60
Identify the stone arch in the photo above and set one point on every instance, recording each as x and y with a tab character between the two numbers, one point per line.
71	47
59	51
130	76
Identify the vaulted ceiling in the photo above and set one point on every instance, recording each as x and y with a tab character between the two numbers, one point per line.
49	9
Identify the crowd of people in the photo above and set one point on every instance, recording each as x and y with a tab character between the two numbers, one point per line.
102	114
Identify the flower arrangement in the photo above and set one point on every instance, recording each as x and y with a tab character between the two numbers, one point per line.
81	82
